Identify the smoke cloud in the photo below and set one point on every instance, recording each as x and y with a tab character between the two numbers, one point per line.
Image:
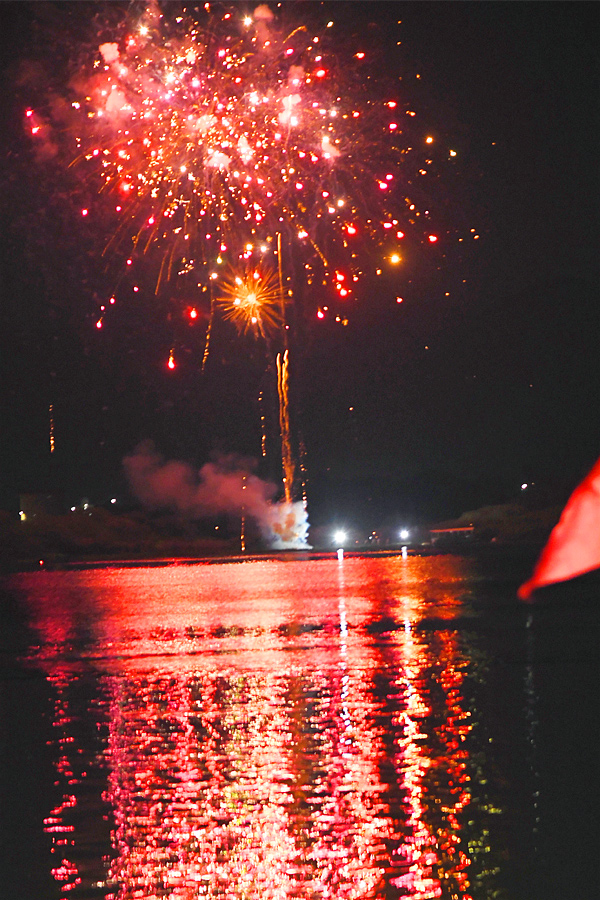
225	487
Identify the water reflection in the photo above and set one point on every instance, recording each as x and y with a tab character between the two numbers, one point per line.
267	730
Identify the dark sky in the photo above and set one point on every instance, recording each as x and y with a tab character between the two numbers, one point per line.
493	385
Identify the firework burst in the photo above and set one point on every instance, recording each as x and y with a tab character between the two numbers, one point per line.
215	134
252	301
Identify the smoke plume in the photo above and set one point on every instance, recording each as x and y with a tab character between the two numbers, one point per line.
224	487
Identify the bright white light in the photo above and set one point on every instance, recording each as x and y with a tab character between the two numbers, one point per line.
114	500
404	534
524	487
339	537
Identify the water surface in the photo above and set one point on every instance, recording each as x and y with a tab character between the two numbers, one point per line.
375	727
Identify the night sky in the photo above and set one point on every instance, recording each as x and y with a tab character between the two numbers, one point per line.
484	377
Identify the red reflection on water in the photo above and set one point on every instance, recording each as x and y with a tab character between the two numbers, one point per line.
275	730
440	776
57	824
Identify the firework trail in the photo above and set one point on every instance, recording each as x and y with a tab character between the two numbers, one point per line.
51	433
284	425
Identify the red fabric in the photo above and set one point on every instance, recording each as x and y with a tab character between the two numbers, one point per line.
573	547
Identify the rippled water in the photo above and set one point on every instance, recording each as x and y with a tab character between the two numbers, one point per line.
374	727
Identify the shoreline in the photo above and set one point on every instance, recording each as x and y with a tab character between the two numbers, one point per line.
524	553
